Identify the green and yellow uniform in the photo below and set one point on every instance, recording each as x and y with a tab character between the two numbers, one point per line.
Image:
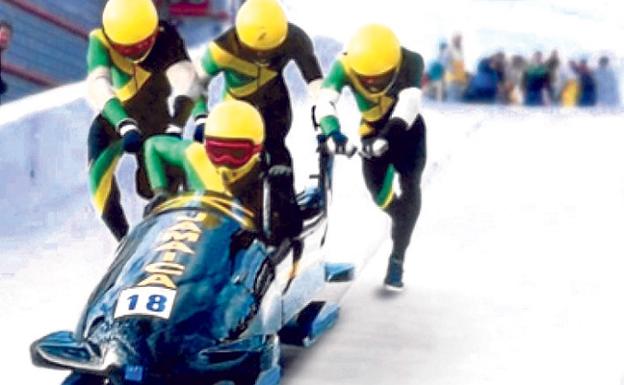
390	111
256	77
187	155
252	56
200	173
125	91
376	107
228	162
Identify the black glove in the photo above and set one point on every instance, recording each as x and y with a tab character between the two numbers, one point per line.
200	124
130	135
160	196
374	147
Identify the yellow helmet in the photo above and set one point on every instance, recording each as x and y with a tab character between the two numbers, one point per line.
261	24
128	23
373	51
234	137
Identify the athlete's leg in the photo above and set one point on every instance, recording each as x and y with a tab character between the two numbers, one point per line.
104	153
286	214
409	156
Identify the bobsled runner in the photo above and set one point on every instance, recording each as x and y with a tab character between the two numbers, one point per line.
195	296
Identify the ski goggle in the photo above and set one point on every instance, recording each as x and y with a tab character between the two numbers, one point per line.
377	83
232	153
135	51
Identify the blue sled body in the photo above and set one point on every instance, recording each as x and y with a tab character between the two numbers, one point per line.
195	297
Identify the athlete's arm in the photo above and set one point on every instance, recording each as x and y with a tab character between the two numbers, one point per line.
100	93
160	151
163	150
409	100
206	68
180	72
306	60
326	115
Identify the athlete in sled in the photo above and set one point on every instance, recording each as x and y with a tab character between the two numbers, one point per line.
197	293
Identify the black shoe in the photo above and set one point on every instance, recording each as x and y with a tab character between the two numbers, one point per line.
394	275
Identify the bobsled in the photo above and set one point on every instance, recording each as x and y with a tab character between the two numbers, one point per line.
195	296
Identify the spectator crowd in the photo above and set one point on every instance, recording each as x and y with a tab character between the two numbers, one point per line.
516	80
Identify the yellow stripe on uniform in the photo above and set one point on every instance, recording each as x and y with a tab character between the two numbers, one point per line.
226	60
382	106
366	129
386	193
204	170
380	102
133	86
139	75
103	189
388	200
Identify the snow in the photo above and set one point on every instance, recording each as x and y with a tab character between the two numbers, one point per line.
513	275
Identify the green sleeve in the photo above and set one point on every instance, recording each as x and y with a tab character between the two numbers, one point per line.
114	112
209	64
160	151
336	80
337	77
97	54
329	124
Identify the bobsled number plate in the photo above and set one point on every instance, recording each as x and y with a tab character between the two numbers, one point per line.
151	301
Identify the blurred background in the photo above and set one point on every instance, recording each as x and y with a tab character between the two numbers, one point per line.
505	51
48	43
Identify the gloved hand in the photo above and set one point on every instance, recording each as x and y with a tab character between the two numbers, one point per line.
341	145
160	196
374	147
173	130
130	135
200	123
280	170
